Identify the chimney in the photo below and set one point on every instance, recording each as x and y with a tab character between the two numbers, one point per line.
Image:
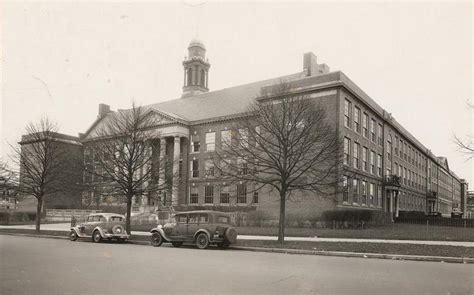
311	67
103	110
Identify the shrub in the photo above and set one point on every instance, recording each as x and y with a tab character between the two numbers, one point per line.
355	218
411	214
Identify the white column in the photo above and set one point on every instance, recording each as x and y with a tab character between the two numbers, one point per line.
390	202
176	155
397	202
161	167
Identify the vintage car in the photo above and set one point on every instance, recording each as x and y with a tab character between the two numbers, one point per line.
456	213
200	227
99	226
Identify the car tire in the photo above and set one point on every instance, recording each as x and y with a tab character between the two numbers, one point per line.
202	241
230	235
73	236
177	244
223	245
156	239
96	237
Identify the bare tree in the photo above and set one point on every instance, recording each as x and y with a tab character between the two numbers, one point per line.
123	155
286	143
466	145
40	160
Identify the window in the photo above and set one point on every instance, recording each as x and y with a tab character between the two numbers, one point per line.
194	167
224	197
255	198
193	218
371	193
210	141
364	192
357	119
355	190
193	195
379	195
195	144
365	156
380	134
223	219
347	146
208	194
209	168
242	166
372	130
226	138
365	125
345	189
203	218
87	155
389	149
372	162
243	138
241	194
405	150
356	155
396	145
347	113
379	165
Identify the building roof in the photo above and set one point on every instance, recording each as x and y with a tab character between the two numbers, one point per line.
219	103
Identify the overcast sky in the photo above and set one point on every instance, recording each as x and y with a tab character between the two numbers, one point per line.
63	59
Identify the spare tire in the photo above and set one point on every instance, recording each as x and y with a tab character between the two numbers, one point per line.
231	235
118	229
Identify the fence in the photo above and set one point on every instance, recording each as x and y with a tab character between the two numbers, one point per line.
66	214
455	222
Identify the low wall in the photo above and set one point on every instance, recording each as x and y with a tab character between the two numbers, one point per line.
58	215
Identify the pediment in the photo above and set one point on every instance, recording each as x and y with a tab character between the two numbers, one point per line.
159	118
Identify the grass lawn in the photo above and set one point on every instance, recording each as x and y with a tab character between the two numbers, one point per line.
381	248
395	232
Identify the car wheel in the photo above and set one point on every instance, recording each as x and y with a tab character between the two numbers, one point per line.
96	237
224	245
156	239
72	235
202	241
177	244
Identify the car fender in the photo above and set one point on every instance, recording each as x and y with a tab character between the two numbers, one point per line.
161	232
76	230
202	230
100	231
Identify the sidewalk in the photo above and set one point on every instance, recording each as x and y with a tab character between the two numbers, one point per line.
64	227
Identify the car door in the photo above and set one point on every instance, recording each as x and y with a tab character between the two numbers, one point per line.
193	225
178	232
90	224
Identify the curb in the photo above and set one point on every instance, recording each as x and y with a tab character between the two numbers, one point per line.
442	259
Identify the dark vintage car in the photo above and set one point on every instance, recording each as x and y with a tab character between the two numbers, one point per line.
99	226
434	214
456	213
200	227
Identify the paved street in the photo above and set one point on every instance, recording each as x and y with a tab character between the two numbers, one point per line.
55	266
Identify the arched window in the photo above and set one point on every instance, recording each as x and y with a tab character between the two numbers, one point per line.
190	77
203	78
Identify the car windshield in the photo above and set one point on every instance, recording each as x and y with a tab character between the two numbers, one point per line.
116	218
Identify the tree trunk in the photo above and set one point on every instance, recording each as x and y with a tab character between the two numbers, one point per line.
281	224
129	212
39	206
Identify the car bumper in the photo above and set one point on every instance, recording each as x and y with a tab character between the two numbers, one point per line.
116	236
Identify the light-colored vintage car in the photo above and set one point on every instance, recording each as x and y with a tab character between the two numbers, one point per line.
200	227
100	226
